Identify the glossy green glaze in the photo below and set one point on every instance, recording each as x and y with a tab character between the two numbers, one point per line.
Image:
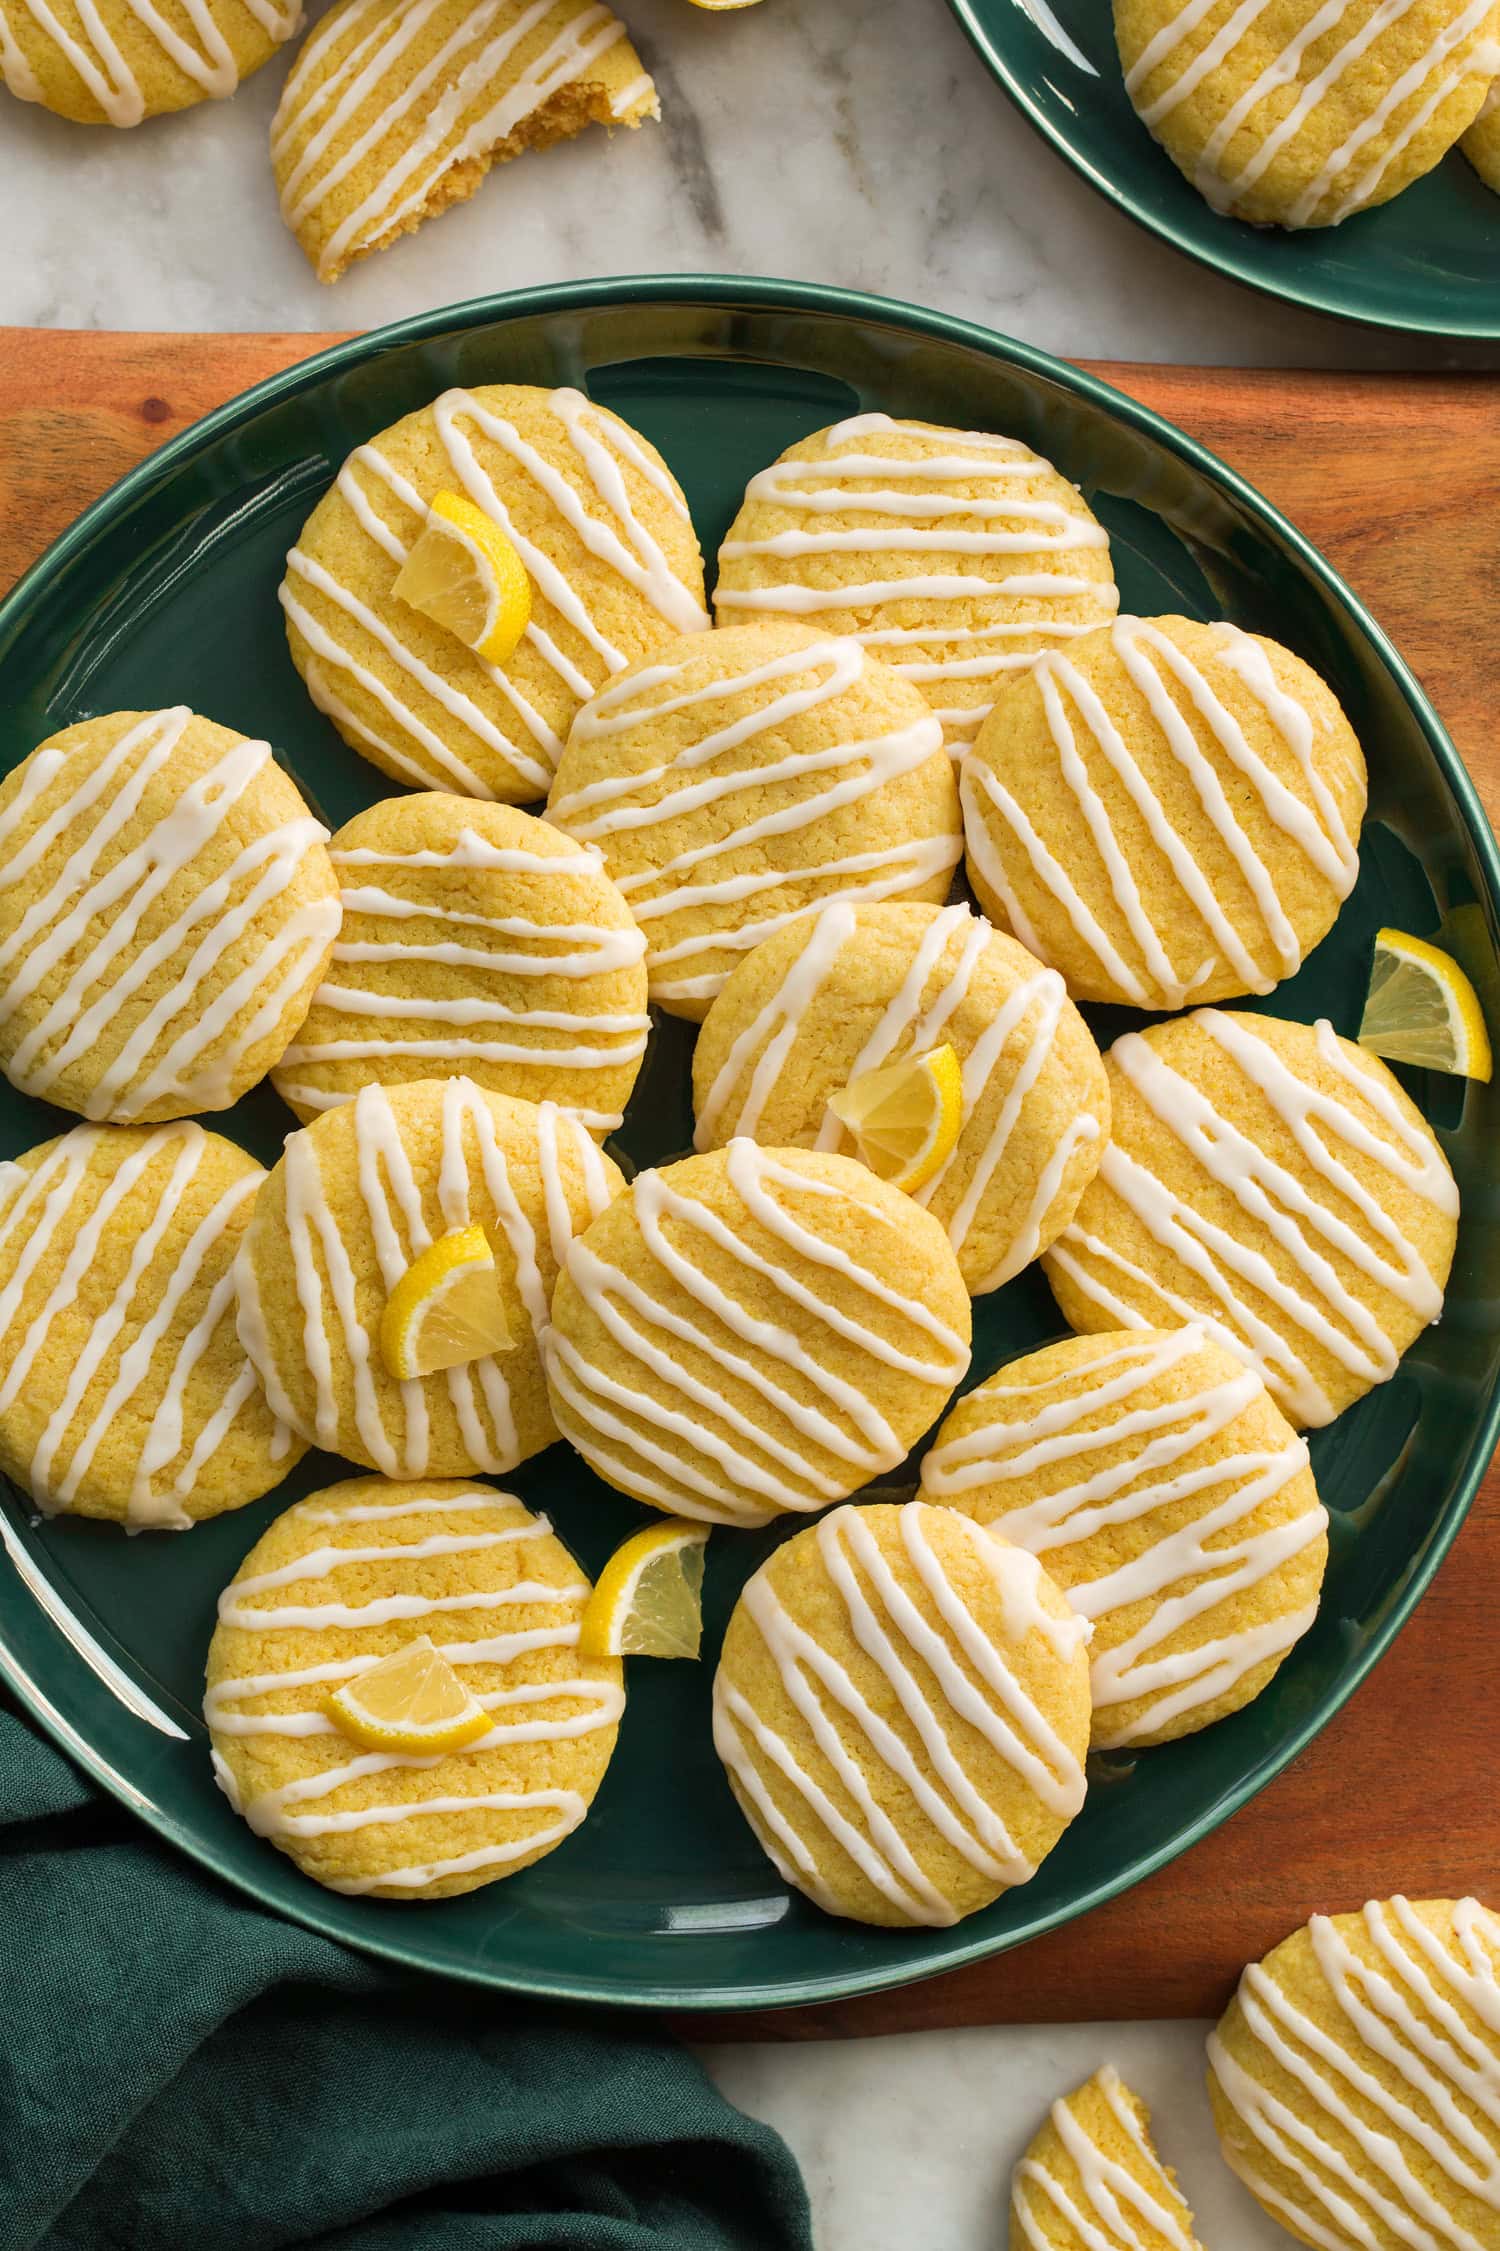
1428	261
166	590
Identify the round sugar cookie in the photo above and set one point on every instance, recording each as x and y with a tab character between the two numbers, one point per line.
1166	812
755	1331
1294	115
955	555
1091	2179
902	1708
1355	2078
1274	1182
1481	143
117	62
857	987
602	529
1168	1497
735	781
167	908
476	941
124	1390
348	1577
357	1196
396	109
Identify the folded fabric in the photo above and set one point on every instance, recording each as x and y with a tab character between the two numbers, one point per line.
182	2072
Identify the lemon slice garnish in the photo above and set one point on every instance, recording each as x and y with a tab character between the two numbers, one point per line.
412	1700
446	1308
722	7
1421	1008
649	1599
464	574
905	1117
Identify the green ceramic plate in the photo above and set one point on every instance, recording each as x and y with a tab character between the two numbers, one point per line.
1428	261
166	591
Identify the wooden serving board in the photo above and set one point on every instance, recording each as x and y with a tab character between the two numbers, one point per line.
1397	479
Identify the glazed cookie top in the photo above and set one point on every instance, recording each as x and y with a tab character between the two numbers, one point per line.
1481	144
598	521
755	1331
115	62
396	108
1275	1182
166	910
1355	2079
856	987
735	781
1168	812
357	1196
902	1707
124	1391
954	554
1092	2181
1171	1501
475	941
347	1578
1296	116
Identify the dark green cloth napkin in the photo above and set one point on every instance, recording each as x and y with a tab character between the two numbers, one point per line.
181	2072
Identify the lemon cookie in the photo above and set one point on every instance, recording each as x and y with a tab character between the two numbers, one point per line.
358	1195
902	1708
754	1331
954	554
475	941
396	109
1355	2078
124	1391
116	62
1169	1498
734	782
1166	812
343	1581
857	987
1092	2181
1273	1181
1481	144
1293	115
605	538
166	911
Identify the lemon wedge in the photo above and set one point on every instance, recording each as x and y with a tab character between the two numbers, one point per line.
412	1700
446	1309
905	1117
464	574
649	1599
1421	1008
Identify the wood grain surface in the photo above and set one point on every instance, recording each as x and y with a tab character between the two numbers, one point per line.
1398	480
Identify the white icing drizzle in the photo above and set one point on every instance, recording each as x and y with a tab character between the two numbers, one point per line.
974	1685
201	52
391	1419
1015	1050
791	792
856	468
1088	742
1126	2206
482	1027
1146	1456
615	536
283	1814
156	1327
100	896
1376	2164
1332	1254
1342	183
673	1435
466	98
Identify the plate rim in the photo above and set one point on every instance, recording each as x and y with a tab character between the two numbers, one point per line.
768	294
1482	328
